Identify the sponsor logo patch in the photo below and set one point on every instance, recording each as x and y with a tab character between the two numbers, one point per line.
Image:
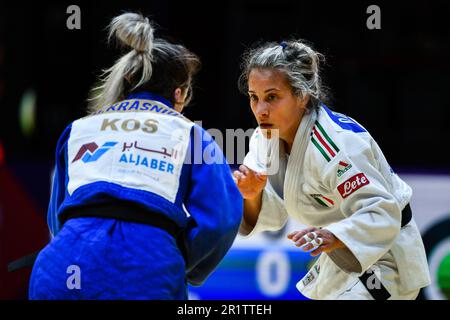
308	279
132	155
351	185
343	168
90	152
311	275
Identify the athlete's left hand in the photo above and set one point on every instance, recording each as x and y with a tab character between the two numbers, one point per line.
329	240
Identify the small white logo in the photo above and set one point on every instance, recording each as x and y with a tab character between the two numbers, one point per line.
373	281
374	20
74	280
74	20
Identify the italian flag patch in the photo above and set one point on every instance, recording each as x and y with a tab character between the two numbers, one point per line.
323	142
343	168
322	200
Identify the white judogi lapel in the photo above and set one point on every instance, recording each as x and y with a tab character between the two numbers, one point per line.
295	173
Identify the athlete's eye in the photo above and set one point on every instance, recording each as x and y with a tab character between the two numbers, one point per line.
253	97
271	97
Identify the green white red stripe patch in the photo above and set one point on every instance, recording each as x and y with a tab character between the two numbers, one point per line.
323	142
322	200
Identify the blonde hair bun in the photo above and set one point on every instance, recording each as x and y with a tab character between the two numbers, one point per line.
133	30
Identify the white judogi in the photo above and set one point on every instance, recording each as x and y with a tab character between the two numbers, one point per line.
336	177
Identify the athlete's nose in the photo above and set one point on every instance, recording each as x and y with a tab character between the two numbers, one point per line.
262	109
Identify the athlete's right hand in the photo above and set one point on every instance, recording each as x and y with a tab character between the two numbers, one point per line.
249	182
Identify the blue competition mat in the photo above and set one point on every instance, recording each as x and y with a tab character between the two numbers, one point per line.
259	274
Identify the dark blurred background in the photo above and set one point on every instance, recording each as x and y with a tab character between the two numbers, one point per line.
394	81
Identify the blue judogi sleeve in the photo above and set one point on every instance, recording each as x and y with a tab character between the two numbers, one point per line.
59	182
215	206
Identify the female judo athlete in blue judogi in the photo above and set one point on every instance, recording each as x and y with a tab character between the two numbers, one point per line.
143	201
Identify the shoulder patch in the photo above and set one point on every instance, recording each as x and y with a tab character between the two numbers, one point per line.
322	141
343	121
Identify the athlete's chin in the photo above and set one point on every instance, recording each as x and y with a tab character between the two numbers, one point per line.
269	132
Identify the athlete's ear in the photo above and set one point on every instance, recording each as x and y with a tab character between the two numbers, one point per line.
304	101
178	95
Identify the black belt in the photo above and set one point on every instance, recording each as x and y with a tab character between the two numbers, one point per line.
125	211
370	280
406	215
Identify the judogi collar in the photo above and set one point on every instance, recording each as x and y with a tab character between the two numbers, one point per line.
146	95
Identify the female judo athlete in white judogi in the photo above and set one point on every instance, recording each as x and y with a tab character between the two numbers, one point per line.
325	170
138	207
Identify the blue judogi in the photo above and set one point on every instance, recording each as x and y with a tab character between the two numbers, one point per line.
141	152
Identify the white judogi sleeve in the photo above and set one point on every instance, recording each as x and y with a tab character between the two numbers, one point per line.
273	215
372	213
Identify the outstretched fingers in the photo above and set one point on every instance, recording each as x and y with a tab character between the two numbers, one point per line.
298	235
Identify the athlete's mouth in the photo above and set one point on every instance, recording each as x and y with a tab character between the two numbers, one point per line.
266	126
